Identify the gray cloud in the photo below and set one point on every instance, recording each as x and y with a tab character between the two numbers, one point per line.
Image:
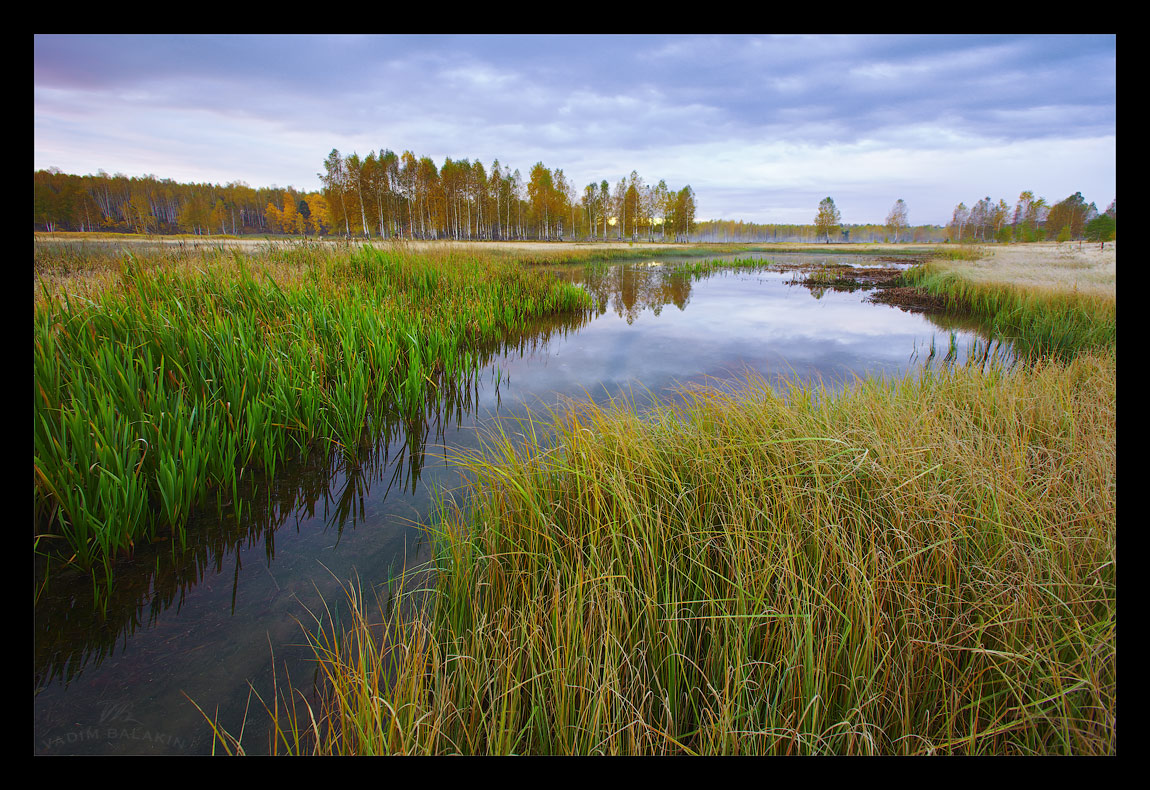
746	121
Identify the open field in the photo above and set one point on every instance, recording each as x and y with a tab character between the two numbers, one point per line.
1036	263
416	245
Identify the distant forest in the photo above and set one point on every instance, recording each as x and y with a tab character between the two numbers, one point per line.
377	196
387	195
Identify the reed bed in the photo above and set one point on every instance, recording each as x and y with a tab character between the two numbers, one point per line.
961	252
172	376
1037	320
915	566
705	267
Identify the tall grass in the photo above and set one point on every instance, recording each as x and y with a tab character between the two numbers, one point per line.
705	267
961	252
176	375
1039	321
916	566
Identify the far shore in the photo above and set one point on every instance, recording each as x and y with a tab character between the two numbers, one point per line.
1084	266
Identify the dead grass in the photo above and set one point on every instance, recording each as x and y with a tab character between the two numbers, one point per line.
416	245
1044	265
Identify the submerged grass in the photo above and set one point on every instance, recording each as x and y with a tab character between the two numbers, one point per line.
917	566
167	377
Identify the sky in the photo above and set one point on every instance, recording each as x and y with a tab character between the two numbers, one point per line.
761	127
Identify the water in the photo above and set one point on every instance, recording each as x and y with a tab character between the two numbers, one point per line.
205	626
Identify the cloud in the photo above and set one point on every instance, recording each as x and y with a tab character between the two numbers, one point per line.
734	116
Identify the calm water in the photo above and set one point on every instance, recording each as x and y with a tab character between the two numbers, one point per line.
206	627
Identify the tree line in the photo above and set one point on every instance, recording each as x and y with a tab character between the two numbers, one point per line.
147	204
1032	219
389	195
827	227
382	195
739	231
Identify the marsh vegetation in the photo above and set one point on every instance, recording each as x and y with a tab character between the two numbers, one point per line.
918	561
167	388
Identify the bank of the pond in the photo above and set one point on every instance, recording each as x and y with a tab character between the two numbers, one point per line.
1038	320
923	565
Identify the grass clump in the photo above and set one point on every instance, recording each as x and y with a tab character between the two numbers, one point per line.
917	566
961	252
705	267
1037	320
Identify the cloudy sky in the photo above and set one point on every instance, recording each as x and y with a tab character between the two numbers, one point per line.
762	128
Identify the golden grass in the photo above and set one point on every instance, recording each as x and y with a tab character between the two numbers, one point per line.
917	566
1044	265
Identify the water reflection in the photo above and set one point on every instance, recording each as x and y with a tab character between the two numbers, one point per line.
630	290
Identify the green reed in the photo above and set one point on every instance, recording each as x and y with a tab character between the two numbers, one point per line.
191	371
1037	320
699	268
961	252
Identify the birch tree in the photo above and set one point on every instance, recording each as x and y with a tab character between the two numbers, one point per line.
896	220
828	218
335	184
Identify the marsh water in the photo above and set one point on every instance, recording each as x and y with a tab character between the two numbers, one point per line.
209	624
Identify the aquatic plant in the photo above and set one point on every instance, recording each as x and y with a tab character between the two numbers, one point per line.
192	371
705	267
961	252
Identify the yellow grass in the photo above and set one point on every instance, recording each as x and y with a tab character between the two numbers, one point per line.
1044	265
413	245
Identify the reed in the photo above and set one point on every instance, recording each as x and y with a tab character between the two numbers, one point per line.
961	252
705	267
1037	320
177	374
915	566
